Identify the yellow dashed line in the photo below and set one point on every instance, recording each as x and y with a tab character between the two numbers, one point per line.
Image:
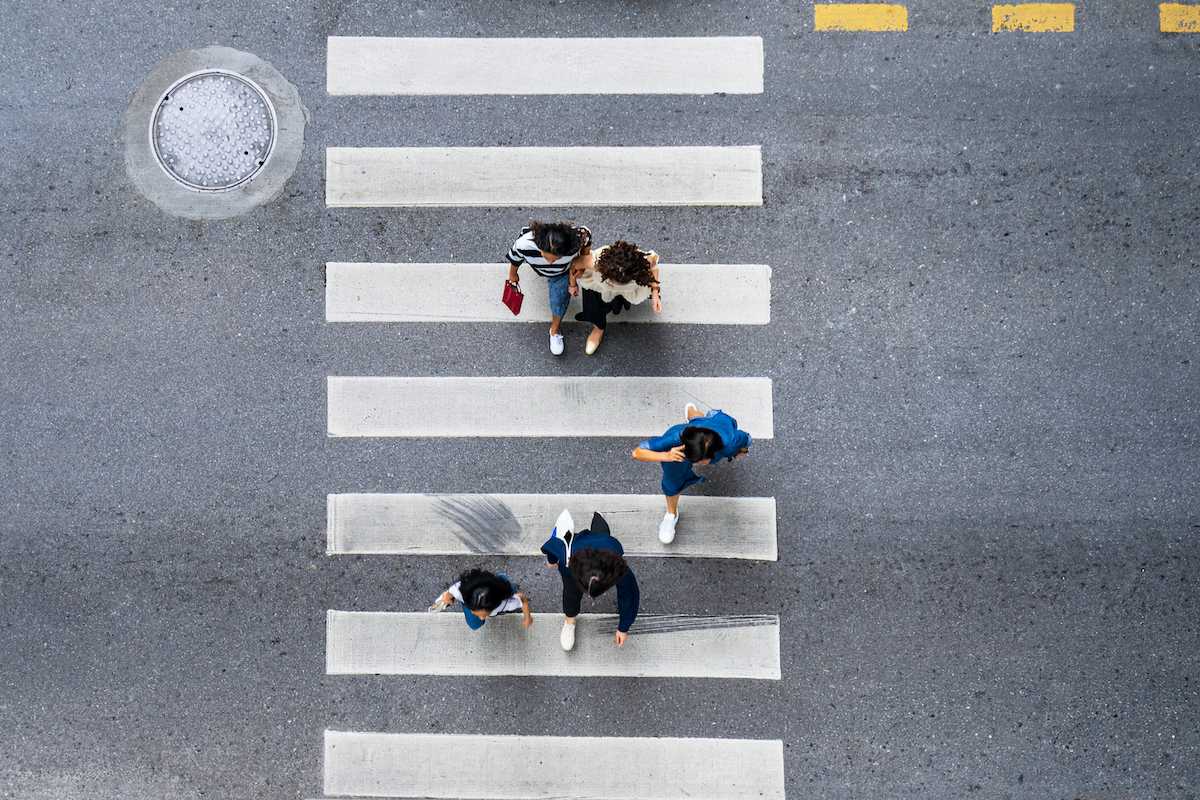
1178	18
1039	17
860	17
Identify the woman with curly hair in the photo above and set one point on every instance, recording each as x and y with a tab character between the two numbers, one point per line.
614	278
590	562
484	595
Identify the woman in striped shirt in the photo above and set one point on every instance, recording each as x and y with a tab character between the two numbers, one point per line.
550	248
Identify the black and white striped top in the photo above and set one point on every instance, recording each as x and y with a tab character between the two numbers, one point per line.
525	251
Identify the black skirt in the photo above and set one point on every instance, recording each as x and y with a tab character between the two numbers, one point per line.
596	311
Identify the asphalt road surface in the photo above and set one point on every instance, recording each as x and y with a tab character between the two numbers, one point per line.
983	343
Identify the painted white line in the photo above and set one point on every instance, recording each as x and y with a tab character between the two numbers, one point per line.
673	646
679	65
698	294
517	524
407	765
538	406
543	176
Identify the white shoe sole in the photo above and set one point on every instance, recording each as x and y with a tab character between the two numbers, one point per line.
567	638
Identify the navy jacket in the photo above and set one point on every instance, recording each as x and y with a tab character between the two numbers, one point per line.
598	538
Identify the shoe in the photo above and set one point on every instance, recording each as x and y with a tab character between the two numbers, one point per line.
557	345
593	344
666	528
687	412
567	637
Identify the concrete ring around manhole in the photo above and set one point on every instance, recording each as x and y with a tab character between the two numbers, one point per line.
213	133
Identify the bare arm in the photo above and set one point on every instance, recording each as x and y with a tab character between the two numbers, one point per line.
527	618
653	456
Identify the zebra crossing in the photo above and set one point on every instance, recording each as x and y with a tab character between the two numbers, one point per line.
515	524
536	406
371	764
400	643
702	294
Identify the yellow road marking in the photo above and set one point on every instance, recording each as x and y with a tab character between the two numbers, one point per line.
1039	17
1178	18
860	17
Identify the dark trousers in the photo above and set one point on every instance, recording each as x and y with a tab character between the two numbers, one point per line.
572	597
596	311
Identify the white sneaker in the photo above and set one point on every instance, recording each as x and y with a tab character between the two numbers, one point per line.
666	528
567	637
557	345
687	412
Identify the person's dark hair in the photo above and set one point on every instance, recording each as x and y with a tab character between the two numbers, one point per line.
560	238
482	590
622	262
597	571
700	443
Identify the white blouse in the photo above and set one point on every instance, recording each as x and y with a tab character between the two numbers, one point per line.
633	292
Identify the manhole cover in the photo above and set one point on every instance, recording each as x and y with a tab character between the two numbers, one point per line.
213	130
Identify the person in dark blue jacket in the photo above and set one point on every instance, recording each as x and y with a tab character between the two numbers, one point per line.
591	562
701	439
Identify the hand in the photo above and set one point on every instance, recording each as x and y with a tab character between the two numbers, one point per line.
439	605
674	454
573	290
548	565
620	638
656	303
741	454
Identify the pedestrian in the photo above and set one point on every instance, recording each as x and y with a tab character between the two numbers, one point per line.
591	562
549	248
483	595
701	439
614	278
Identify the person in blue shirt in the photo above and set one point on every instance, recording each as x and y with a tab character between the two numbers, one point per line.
483	595
591	562
701	439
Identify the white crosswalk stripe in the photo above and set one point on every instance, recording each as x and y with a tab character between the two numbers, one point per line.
500	176
517	524
368	65
673	646
551	768
698	294
537	406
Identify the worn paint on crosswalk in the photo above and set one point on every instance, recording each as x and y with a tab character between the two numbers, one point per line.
517	524
367	65
673	646
697	294
1034	17
502	767
860	17
501	176
538	406
1179	17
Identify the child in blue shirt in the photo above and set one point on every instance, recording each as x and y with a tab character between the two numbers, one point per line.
483	595
702	439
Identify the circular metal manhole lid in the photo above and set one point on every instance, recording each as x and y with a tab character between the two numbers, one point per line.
213	130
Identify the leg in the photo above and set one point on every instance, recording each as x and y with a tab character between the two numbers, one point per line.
560	298
594	311
572	599
673	505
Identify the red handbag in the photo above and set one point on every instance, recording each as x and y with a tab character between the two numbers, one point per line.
512	297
